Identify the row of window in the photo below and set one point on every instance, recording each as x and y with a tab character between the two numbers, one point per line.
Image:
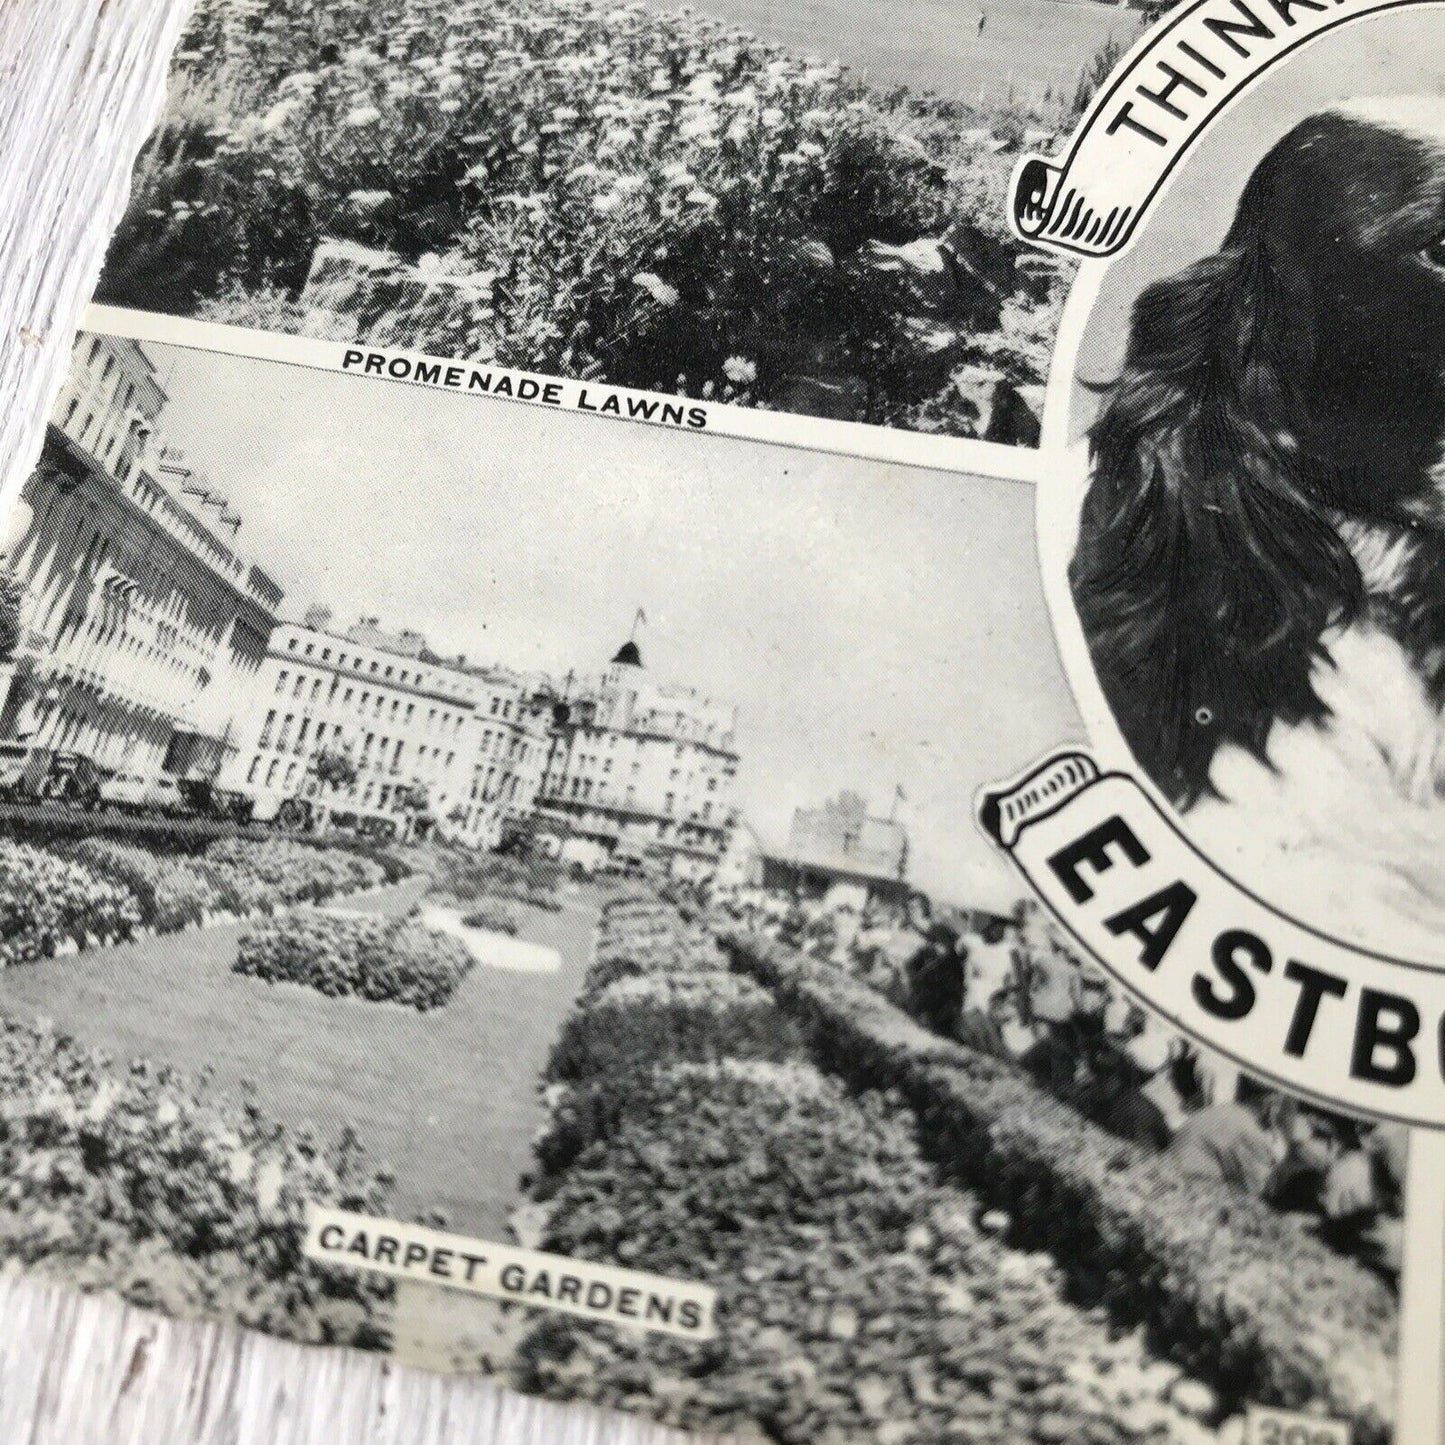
504	743
587	790
308	687
112	451
582	763
485	789
392	672
315	734
284	777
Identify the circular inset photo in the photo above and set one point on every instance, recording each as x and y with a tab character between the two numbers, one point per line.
1243	534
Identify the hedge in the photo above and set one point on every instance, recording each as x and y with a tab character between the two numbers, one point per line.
173	893
670	1017
382	960
48	903
858	1297
130	1176
1233	1291
46	825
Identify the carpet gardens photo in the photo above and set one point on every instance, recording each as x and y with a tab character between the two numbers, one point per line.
569	849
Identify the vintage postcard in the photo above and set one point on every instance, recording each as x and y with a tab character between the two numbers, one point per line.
480	894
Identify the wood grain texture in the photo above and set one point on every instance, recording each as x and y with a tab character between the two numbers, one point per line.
81	82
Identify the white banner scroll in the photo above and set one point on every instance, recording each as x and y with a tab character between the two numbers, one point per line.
1178	78
1354	1029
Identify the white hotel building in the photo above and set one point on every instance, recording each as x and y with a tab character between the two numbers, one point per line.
640	772
430	737
617	768
141	620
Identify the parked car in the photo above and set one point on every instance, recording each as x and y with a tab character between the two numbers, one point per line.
72	778
297	815
375	827
143	793
234	806
203	798
29	773
22	770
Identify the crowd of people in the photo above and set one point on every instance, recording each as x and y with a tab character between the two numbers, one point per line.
1011	987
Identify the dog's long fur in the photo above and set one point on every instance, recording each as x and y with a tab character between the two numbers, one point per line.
1266	470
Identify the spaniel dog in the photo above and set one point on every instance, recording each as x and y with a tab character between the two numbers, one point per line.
1260	568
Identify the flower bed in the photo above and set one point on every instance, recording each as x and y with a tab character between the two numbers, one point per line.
465	878
280	871
671	1017
652	200
101	889
493	919
382	960
643	937
858	1299
1238	1295
135	1178
48	903
172	892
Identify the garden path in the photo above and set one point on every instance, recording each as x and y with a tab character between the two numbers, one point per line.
447	1100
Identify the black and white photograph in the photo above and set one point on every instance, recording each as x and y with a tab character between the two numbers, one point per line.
799	209
1252	538
416	808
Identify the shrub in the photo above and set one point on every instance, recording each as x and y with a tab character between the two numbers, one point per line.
858	1298
1093	75
214	216
496	920
383	960
638	1022
137	1178
390	862
1237	1293
46	901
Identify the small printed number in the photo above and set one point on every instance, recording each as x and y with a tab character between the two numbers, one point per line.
1286	1427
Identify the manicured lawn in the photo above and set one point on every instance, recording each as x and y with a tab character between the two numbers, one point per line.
447	1100
1025	47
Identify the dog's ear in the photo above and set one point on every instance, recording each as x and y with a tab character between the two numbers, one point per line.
1206	567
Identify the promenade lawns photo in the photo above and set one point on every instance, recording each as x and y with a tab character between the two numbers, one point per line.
604	192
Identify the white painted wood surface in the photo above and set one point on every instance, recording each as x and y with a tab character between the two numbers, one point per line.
81	82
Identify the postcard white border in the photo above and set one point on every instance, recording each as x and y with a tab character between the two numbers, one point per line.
960	455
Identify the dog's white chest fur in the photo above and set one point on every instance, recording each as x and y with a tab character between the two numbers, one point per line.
1344	826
